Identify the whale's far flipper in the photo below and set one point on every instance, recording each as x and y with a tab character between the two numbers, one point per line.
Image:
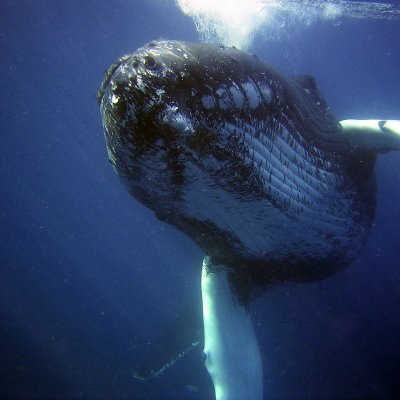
379	136
183	335
232	355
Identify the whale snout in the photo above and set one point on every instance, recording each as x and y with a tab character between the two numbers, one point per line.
112	72
117	85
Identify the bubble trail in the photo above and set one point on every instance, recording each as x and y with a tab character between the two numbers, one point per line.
236	22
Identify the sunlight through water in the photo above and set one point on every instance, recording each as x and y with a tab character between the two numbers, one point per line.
236	22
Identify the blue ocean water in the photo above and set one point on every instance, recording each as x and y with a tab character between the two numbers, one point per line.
89	277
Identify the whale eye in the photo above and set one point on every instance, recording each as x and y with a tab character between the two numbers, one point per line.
150	62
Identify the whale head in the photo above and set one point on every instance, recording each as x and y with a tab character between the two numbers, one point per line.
158	106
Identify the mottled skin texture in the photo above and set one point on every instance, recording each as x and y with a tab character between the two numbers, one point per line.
250	164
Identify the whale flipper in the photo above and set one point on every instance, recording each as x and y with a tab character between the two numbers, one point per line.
375	135
233	358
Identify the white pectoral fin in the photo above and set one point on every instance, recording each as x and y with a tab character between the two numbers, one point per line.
376	135
232	355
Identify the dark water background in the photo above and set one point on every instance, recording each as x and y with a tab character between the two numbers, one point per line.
89	277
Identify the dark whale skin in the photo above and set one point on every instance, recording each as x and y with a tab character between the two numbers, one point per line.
250	164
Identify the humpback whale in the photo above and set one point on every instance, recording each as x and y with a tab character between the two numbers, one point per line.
253	167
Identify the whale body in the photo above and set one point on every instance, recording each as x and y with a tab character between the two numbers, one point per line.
248	163
255	169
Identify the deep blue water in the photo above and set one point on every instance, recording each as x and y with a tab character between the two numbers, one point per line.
89	277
